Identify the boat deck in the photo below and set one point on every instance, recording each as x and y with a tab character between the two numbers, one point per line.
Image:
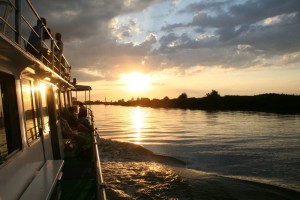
79	179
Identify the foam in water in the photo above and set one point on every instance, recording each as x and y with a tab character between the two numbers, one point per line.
133	172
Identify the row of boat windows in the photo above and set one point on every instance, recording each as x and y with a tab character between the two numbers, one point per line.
34	96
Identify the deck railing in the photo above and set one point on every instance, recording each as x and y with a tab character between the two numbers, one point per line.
17	19
101	195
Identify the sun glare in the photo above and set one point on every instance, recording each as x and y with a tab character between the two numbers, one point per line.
136	81
137	124
42	88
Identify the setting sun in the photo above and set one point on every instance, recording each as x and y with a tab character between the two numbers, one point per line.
136	81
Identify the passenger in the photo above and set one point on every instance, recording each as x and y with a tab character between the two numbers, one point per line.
75	123
84	140
67	132
82	111
59	51
34	45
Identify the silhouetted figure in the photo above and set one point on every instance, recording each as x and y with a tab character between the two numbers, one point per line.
58	51
35	45
75	123
82	111
67	132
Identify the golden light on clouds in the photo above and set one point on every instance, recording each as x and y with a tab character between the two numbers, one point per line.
136	81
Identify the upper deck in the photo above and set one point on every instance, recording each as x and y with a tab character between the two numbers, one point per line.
19	19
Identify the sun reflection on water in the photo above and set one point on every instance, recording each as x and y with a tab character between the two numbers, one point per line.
137	121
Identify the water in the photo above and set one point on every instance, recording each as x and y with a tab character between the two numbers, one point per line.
252	146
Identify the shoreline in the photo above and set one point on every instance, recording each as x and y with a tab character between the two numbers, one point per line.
269	103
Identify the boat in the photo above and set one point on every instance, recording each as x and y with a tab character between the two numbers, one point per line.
35	162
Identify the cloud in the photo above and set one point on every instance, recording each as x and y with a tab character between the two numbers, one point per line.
121	31
198	7
269	27
99	35
170	28
241	14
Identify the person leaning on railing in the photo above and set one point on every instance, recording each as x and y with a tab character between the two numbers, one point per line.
83	116
34	45
82	111
83	139
68	133
75	123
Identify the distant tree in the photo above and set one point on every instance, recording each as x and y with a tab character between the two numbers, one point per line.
166	98
213	94
145	99
183	96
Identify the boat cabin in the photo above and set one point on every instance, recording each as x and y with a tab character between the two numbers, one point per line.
34	89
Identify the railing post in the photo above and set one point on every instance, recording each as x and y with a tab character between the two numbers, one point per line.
18	14
59	68
52	54
41	37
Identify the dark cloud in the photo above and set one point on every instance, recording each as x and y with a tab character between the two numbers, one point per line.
241	24
89	42
248	13
80	18
219	33
198	7
228	33
170	28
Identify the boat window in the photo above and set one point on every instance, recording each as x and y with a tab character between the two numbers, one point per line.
67	95
30	111
10	136
57	102
45	114
62	100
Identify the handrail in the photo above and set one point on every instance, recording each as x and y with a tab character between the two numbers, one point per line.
101	186
20	22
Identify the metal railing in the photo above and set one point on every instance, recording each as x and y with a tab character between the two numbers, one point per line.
101	186
16	23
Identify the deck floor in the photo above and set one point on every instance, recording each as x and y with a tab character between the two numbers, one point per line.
78	180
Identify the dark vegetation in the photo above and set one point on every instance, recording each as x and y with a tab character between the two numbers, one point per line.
213	101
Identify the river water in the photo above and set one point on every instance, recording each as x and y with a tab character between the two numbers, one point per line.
248	146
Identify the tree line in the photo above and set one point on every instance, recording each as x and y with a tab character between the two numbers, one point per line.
213	101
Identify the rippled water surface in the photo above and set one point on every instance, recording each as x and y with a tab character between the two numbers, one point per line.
252	146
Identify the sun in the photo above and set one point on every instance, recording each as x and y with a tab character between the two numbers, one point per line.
136	81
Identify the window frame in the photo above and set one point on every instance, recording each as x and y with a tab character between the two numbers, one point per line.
34	99
12	131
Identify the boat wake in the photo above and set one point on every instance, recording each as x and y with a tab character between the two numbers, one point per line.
133	172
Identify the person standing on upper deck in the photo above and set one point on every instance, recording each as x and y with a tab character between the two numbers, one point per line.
58	50
34	45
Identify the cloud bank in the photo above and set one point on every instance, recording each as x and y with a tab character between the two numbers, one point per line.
105	38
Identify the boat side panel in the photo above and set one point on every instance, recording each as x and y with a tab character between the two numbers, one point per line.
18	171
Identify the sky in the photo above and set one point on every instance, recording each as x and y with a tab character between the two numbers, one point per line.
156	48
